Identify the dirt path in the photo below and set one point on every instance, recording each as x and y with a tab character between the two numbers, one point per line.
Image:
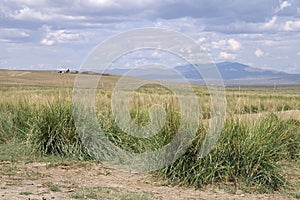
97	181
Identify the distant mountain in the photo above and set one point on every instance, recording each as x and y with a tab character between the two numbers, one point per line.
231	70
232	73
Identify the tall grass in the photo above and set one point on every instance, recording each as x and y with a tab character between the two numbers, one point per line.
53	131
15	119
46	129
248	152
6	126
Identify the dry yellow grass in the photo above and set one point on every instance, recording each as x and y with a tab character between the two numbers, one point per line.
42	86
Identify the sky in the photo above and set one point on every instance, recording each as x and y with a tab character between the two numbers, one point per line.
41	34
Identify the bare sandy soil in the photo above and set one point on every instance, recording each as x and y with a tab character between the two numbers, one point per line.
97	181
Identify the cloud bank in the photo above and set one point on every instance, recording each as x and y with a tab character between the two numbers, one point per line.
263	33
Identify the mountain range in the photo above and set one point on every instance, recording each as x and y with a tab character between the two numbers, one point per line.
232	73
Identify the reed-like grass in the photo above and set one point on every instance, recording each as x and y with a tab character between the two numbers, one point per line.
248	152
15	118
45	129
52	131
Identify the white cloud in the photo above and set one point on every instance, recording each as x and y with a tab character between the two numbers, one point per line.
13	33
234	45
230	44
120	4
269	42
292	69
298	53
236	32
47	42
60	36
251	36
288	26
31	3
270	24
100	3
282	6
27	13
200	40
273	24
5	40
291	26
258	52
219	45
227	56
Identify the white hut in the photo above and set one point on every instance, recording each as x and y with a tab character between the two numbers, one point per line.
63	70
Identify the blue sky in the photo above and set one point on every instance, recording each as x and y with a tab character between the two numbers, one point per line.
50	34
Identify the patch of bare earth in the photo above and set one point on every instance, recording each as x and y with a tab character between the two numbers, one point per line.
97	181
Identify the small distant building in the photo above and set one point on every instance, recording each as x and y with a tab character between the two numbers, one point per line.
63	70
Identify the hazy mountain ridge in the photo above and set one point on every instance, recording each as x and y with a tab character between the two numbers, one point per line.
232	73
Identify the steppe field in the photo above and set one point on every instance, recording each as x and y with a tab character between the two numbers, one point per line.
42	157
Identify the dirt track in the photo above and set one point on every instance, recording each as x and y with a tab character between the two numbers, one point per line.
38	181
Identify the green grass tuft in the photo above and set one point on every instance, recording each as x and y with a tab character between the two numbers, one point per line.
248	153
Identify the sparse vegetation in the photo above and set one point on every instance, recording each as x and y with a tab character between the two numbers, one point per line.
99	192
52	187
25	193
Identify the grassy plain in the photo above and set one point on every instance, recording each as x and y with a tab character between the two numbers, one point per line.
255	153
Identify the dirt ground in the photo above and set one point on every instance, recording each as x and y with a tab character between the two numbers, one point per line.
86	180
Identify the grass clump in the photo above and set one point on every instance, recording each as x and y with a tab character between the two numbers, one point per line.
14	120
46	129
246	153
52	187
54	132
